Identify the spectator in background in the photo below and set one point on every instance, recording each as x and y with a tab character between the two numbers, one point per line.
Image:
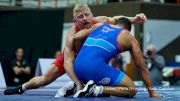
20	67
155	64
57	53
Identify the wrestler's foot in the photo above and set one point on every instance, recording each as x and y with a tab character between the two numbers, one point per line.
66	90
87	91
16	90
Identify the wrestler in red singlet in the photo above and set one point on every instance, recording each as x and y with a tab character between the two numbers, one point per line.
60	60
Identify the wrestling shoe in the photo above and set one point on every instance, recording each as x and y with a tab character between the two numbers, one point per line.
66	90
16	90
87	91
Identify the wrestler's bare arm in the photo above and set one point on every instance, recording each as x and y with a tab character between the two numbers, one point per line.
128	42
140	64
69	56
138	19
81	36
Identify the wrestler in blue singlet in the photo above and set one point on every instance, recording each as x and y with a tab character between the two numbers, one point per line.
92	60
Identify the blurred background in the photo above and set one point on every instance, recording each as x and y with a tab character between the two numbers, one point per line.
35	29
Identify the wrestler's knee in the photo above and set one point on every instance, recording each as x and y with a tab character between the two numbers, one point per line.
45	80
132	91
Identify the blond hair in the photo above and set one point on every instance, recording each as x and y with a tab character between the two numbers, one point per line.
80	7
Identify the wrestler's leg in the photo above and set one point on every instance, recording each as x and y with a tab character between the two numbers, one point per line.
126	88
112	82
50	75
55	70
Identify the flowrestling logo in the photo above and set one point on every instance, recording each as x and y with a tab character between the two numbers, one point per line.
105	80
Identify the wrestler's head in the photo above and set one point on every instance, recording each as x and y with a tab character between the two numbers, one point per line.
82	16
124	22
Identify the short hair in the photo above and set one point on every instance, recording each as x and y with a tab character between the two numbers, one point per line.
125	22
19	49
80	7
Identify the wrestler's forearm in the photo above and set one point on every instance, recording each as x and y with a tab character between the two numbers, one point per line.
140	64
69	57
83	34
69	68
70	71
146	79
113	19
132	19
80	37
139	61
138	19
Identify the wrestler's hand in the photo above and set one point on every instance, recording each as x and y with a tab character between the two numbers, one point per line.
140	18
157	95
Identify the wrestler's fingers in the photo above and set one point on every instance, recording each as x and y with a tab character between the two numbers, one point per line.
143	16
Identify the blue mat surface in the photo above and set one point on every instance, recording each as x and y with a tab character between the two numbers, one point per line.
172	93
